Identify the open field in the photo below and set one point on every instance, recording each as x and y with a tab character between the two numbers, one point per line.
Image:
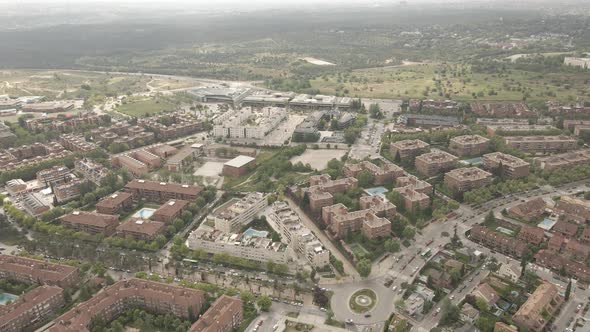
458	82
143	107
69	84
318	159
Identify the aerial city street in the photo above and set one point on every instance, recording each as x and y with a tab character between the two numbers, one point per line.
294	167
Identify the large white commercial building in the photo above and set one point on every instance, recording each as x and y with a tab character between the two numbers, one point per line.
303	242
238	212
248	123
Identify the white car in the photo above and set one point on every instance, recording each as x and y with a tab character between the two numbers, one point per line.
394	288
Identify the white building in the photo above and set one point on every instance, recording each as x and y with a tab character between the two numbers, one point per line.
237	213
303	242
577	62
252	247
414	304
248	123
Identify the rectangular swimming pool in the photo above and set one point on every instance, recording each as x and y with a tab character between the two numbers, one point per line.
144	213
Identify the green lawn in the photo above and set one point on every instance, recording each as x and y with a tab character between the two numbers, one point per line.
145	107
360	309
457	82
358	249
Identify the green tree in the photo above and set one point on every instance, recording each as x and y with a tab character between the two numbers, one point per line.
391	245
568	290
365	179
364	267
409	232
450	314
264	303
247	297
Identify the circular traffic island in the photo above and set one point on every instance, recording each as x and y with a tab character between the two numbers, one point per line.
362	301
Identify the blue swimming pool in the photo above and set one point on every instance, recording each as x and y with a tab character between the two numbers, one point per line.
144	213
5	297
255	233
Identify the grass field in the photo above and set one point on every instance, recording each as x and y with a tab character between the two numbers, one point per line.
358	308
458	82
144	107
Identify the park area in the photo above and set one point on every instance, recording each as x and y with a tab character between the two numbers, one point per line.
318	159
362	301
142	107
453	81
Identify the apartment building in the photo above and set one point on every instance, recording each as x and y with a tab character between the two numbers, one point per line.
414	183
249	123
385	173
536	312
576	250
502	109
322	187
572	208
564	160
432	163
91	170
340	222
182	159
252	247
35	204
31	309
501	121
465	179
542	144
572	124
15	187
498	241
511	166
428	120
32	271
556	243
530	210
140	229
287	223
160	192
565	228
129	294
407	150
413	199
76	143
28	155
70	124
115	203
68	191
508	129
170	211
381	206
224	315
171	125
558	262
433	105
226	151
531	234
238	212
91	222
469	145
139	161
54	175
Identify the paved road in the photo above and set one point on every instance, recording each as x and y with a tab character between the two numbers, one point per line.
348	268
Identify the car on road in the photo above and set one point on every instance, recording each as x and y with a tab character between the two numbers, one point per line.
349	321
451	297
367	315
437	311
394	288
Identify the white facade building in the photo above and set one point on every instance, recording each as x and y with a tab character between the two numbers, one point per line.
303	242
237	213
248	123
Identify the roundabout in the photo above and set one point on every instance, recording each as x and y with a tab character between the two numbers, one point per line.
362	301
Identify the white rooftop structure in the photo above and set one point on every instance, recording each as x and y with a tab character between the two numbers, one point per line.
239	161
